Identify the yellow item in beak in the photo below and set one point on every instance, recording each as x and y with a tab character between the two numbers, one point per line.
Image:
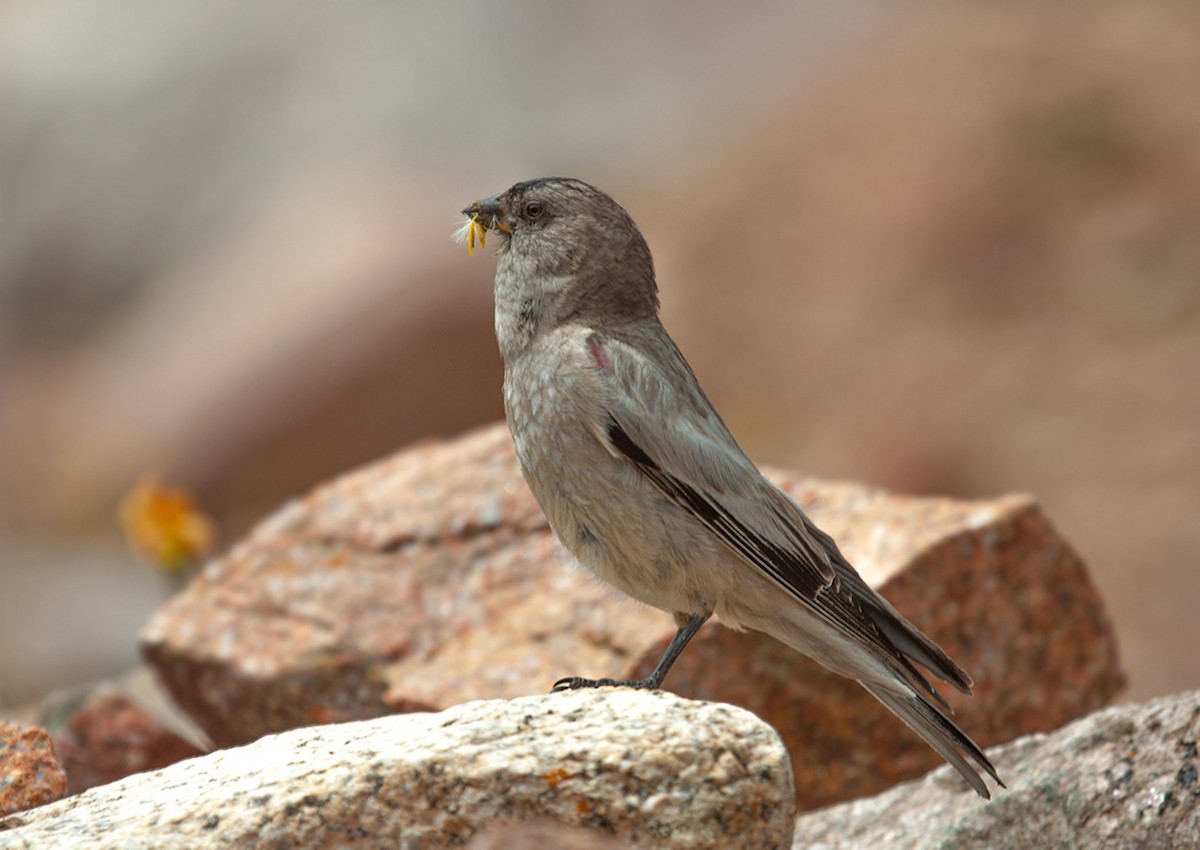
468	232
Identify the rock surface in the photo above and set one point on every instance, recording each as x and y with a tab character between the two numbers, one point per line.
108	737
105	731
1120	778
542	836
431	578
30	773
652	769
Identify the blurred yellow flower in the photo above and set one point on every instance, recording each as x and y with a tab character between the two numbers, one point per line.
165	525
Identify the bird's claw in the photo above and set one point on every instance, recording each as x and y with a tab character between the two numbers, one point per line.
574	683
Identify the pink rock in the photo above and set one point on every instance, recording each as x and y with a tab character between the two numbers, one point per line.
109	737
431	578
30	773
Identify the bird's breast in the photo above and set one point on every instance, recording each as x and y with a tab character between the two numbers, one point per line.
613	519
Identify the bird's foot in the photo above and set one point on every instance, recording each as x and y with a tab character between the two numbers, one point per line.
574	683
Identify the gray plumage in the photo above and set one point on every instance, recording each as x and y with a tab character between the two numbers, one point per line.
645	485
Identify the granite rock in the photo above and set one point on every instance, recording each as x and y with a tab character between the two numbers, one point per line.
30	773
431	578
652	769
542	835
1120	778
108	736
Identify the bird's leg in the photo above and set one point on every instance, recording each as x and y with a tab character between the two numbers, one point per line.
684	634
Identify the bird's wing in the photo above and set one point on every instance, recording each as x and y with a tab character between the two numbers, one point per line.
656	416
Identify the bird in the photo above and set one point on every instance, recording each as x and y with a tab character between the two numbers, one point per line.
644	484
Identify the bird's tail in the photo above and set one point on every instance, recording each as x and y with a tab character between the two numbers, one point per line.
940	732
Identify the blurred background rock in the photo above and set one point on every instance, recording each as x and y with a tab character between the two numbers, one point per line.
937	250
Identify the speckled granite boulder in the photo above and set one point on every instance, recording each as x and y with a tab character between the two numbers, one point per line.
431	578
1121	778
652	769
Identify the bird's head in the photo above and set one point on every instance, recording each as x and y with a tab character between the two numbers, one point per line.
568	244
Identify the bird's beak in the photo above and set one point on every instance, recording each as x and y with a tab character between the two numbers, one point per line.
491	212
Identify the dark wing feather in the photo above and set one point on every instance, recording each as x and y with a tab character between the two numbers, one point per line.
796	567
659	419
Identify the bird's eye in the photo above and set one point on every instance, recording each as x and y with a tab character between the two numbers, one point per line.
534	209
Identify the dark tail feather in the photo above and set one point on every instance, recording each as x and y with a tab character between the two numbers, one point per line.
910	641
940	732
904	635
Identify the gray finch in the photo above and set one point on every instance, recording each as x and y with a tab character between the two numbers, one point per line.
643	483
